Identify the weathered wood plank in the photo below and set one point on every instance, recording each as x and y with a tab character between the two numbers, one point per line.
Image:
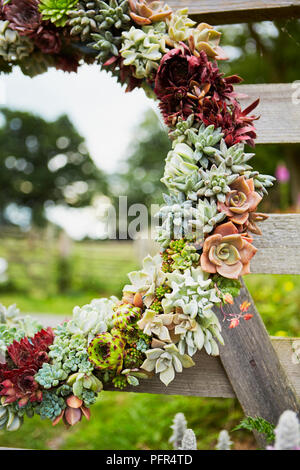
253	367
279	111
209	379
238	11
279	246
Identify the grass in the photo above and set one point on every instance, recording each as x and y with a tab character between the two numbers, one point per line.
142	421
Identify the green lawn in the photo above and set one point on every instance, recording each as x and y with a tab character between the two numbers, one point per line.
140	421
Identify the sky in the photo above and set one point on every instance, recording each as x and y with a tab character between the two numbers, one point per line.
101	111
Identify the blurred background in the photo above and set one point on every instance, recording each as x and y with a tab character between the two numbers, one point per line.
70	145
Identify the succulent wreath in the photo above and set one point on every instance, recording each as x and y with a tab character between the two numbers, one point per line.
166	313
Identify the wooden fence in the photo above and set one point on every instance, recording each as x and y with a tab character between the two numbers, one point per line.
255	368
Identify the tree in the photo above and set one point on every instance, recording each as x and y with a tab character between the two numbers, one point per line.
43	164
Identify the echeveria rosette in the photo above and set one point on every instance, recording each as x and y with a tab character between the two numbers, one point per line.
240	202
153	324
227	252
147	280
166	362
193	295
23	16
144	48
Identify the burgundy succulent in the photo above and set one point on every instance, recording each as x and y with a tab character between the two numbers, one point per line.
47	39
19	384
183	81
73	412
236	124
31	351
67	63
23	15
25	359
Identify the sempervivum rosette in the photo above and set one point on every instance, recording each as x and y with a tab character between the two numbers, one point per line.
168	309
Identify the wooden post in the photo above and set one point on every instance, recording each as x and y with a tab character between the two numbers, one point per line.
253	367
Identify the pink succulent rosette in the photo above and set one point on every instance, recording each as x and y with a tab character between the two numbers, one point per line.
240	201
227	252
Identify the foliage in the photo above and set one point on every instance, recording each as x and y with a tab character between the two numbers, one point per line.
257	424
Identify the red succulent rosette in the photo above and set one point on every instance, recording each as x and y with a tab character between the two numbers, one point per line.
236	124
26	357
23	16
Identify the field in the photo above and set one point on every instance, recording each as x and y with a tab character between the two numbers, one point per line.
142	421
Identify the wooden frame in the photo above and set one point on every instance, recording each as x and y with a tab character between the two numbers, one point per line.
238	11
258	371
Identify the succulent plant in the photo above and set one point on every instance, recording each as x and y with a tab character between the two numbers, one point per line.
56	11
144	48
106	351
13	326
240	201
180	26
13	47
184	83
201	336
93	318
236	123
72	412
23	15
181	165
82	19
113	14
9	419
216	182
233	157
147	280
204	140
125	317
166	362
51	406
261	182
180	255
153	324
208	216
145	12
227	252
177	221
50	375
192	291
83	383
205	38
179	134
106	44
